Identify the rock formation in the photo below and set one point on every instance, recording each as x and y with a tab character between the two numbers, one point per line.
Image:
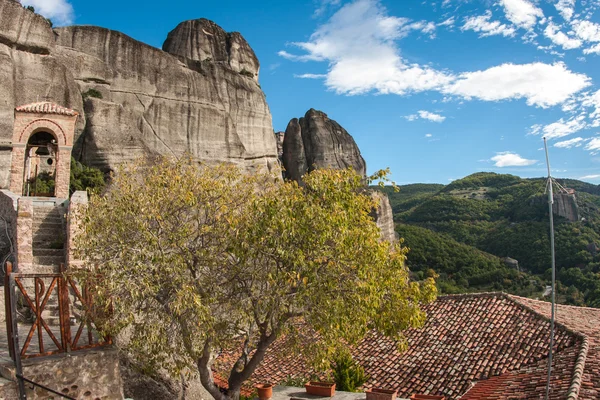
565	205
203	40
202	99
315	141
384	217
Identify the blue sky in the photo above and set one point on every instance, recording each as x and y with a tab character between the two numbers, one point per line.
434	89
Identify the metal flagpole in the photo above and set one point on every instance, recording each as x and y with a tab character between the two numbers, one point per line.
550	202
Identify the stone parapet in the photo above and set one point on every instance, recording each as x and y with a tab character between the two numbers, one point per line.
8	225
77	206
24	242
86	374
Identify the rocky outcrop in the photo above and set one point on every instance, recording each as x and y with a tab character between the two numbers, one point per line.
565	205
316	141
156	103
203	99
29	72
511	263
203	40
384	217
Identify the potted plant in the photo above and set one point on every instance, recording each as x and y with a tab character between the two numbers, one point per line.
265	391
324	389
381	394
426	397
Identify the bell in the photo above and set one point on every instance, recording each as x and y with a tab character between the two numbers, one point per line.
42	151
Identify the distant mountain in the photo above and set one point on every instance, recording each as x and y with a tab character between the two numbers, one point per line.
473	232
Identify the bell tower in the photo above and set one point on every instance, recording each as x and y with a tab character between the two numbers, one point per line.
42	144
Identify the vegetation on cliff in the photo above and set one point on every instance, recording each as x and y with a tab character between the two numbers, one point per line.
463	230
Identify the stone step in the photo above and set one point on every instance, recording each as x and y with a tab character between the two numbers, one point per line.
49	260
39	251
7	369
49	235
39	214
47	222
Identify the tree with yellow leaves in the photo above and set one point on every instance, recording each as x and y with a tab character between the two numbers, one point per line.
198	258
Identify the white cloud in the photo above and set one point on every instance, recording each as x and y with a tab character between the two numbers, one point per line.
422	114
360	45
59	11
509	159
557	37
325	5
590	177
485	27
586	30
448	22
431	116
566	8
522	13
592	50
428	135
560	128
310	76
540	84
593	145
567	144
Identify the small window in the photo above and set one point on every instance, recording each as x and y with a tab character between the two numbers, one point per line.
50	161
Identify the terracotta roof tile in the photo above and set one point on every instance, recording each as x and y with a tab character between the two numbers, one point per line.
491	343
46	107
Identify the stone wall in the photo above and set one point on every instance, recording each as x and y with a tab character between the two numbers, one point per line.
88	374
8	225
77	206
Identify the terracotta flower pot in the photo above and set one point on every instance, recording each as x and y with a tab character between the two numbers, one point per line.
426	397
265	391
323	389
381	394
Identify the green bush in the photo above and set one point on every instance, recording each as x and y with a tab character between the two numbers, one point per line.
247	73
92	93
85	178
30	8
42	185
348	375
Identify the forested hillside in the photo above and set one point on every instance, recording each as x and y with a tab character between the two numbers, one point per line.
471	231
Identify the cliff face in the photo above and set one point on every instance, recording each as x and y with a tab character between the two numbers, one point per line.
203	99
315	141
565	205
154	102
203	40
29	72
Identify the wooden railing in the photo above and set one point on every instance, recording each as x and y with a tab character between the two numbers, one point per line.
51	311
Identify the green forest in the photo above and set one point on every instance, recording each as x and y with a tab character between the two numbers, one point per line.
469	233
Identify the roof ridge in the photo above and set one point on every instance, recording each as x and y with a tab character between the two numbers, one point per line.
473	295
46	107
561	305
573	392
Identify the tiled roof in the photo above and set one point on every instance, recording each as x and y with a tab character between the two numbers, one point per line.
585	321
46	107
475	344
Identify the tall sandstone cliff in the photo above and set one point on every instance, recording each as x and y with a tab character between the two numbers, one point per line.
202	99
316	141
